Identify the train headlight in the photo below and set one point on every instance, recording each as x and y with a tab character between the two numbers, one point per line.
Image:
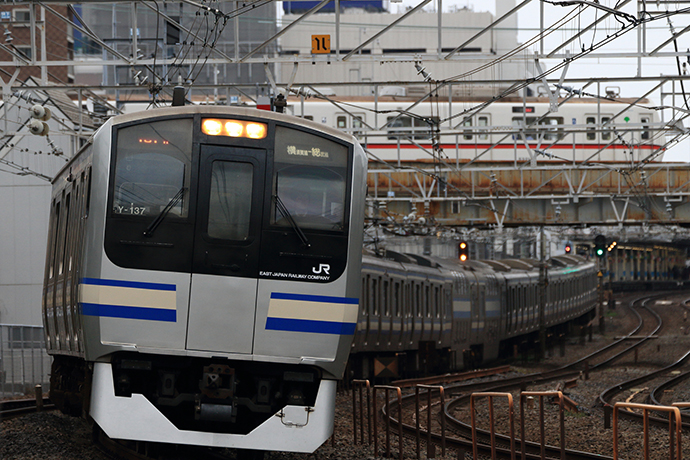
211	127
234	128
256	130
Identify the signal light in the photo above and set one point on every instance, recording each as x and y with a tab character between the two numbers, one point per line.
568	248
463	251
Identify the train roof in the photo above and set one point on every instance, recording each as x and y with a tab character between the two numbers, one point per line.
505	100
225	110
501	265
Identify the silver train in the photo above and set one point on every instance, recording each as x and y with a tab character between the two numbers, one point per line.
423	314
202	277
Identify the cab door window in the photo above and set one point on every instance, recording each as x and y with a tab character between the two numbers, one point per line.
229	202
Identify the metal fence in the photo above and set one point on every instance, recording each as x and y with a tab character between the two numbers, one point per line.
24	362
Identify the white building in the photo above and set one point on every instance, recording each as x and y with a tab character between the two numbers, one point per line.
392	56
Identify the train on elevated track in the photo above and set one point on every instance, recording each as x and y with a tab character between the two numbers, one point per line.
509	130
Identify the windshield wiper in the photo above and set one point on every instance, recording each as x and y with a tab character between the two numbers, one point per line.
286	214
157	221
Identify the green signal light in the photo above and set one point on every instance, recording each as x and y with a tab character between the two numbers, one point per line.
600	252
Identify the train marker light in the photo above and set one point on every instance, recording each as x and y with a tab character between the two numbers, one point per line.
463	251
234	128
211	127
256	130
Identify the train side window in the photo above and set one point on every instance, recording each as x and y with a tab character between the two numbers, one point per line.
55	227
482	123
645	135
230	200
63	235
365	296
384	298
373	297
398	127
606	129
521	124
437	303
341	122
396	299
468	132
308	117
427	302
88	192
553	132
423	129
357	124
73	226
417	300
591	130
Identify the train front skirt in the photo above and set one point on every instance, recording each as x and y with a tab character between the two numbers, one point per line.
135	418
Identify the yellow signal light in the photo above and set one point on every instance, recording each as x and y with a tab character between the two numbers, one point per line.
463	257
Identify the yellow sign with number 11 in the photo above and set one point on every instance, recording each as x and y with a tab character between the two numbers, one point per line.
320	44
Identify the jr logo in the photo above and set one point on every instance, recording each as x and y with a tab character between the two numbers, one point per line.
323	268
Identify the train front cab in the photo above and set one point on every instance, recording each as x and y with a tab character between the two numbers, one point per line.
216	310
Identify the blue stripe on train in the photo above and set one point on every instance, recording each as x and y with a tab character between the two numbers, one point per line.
314	298
304	325
119	311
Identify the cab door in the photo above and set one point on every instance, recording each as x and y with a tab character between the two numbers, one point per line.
222	304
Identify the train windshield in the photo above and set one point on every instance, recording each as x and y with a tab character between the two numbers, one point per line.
152	169
310	180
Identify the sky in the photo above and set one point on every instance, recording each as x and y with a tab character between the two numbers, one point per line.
609	66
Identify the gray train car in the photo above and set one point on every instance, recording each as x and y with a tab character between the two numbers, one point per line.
203	277
422	314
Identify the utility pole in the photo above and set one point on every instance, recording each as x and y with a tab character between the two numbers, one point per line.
543	283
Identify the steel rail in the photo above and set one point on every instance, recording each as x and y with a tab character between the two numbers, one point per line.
655	394
533	451
13	408
535	378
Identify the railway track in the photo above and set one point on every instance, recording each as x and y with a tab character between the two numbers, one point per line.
19	407
602	358
462	440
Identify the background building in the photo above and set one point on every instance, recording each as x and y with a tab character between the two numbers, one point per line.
414	40
51	41
177	33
